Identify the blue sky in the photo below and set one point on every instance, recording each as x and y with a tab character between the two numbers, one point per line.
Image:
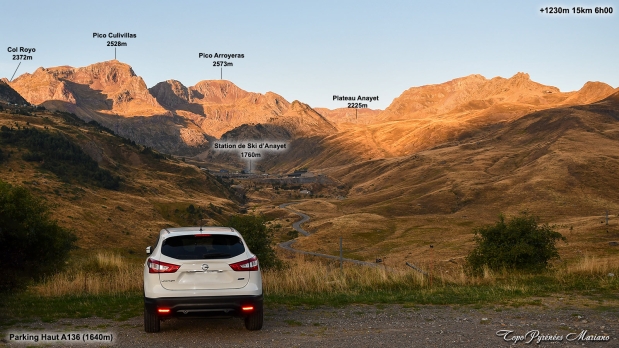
310	51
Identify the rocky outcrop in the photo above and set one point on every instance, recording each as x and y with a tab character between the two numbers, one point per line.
219	106
475	93
171	94
589	93
103	88
303	121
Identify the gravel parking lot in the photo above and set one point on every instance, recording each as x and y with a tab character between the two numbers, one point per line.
354	326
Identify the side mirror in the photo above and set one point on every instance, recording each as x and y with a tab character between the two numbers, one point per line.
148	250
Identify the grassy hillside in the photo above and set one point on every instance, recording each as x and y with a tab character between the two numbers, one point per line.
559	164
111	192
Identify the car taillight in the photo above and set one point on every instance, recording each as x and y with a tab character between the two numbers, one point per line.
247	265
155	266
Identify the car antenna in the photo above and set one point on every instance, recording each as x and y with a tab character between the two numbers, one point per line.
201	224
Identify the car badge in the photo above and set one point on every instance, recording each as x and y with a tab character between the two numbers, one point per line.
205	267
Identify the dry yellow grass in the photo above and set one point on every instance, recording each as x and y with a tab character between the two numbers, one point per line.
305	276
109	273
593	265
367	236
102	273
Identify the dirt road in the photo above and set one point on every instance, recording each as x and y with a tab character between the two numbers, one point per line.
356	326
297	226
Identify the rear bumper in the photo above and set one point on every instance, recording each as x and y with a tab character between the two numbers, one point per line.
211	306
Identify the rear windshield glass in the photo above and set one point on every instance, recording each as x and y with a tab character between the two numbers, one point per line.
193	247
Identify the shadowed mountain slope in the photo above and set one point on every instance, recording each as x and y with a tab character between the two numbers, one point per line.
559	161
219	106
9	95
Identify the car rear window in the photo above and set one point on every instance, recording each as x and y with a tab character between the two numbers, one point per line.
200	247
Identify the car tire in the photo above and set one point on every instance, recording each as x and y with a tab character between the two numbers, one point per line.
151	321
254	321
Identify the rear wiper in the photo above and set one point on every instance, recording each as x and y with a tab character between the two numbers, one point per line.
216	255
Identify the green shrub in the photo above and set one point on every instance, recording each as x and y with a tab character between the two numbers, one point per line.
152	153
31	244
292	234
191	209
519	243
258	238
96	125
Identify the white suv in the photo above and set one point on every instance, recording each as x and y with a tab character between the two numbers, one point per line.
201	272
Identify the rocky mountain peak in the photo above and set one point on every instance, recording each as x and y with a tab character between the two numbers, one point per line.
106	87
217	91
170	94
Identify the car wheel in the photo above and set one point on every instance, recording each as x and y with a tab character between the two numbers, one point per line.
151	321
254	320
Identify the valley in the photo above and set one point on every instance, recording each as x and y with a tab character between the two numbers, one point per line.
439	161
400	173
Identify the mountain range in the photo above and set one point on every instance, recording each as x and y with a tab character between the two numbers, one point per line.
177	119
439	159
169	116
